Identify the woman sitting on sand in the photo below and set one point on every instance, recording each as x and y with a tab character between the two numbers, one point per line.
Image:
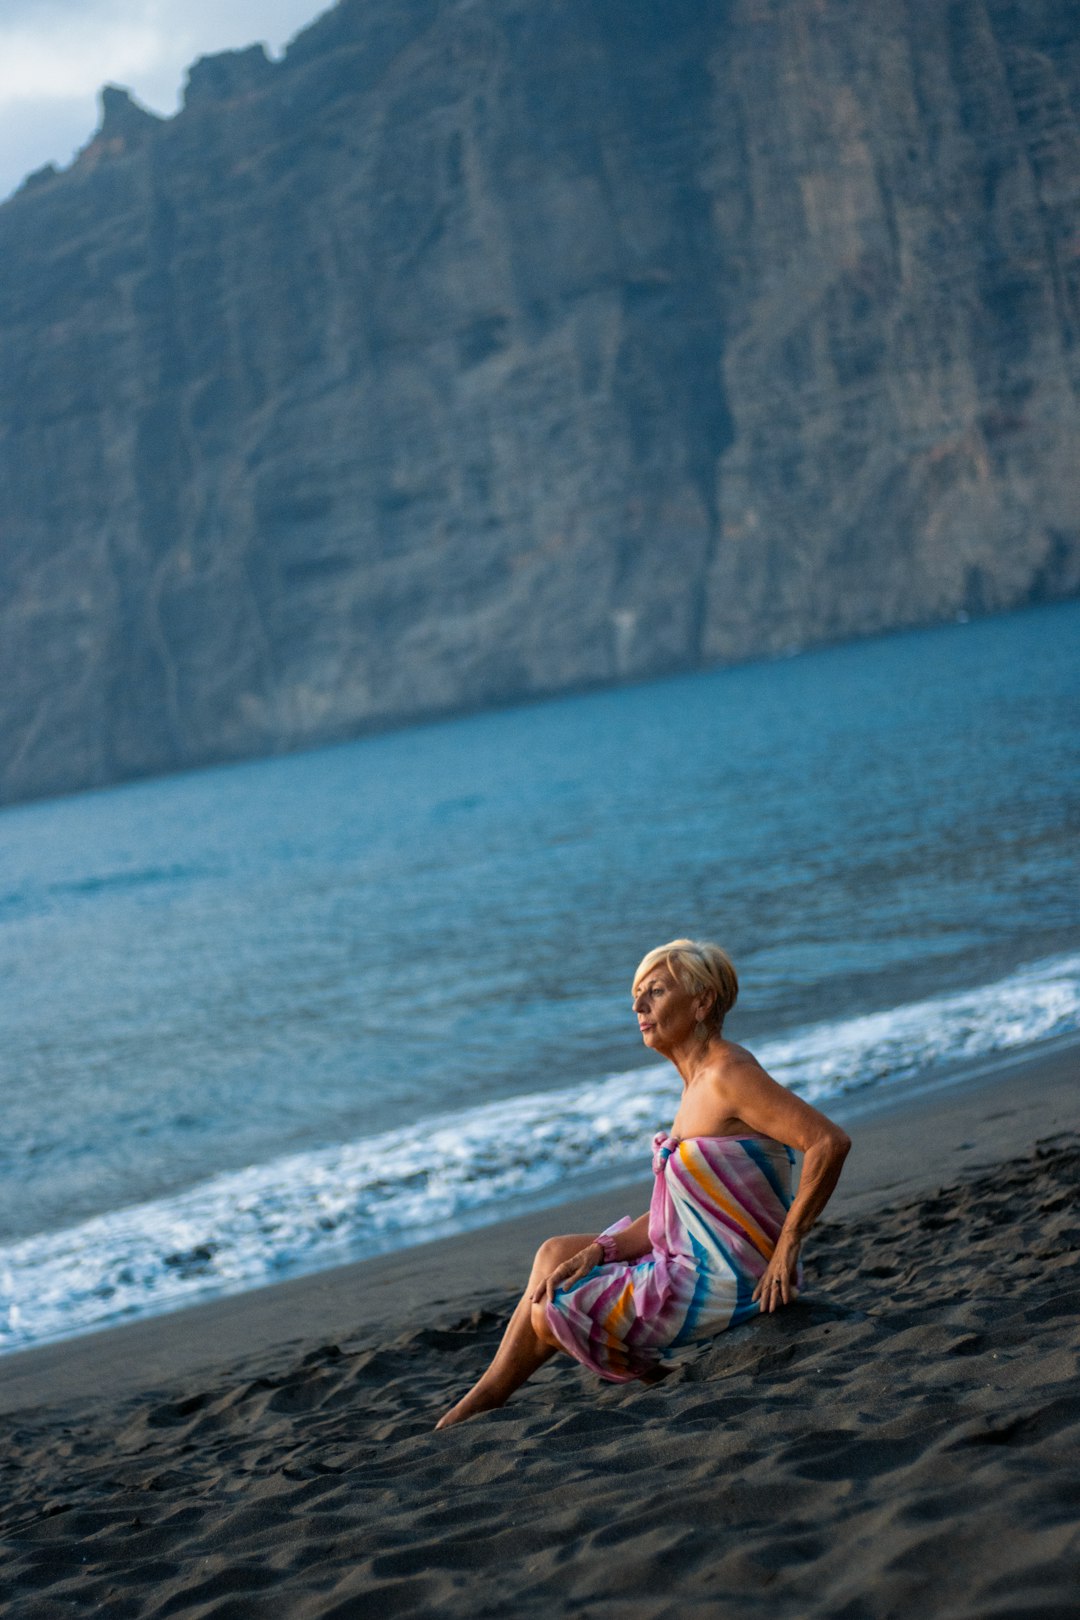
722	1236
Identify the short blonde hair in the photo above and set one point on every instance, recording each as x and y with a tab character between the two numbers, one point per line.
698	966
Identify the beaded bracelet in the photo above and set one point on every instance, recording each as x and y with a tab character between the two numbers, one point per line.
605	1242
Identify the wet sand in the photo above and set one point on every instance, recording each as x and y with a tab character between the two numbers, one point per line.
903	1441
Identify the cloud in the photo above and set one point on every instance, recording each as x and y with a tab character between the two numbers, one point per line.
56	54
76	56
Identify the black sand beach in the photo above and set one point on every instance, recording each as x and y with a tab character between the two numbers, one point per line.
903	1441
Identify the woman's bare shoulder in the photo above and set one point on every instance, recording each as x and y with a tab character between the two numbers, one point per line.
735	1060
737	1077
720	1099
743	1088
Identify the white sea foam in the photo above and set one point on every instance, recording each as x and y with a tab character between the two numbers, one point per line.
309	1210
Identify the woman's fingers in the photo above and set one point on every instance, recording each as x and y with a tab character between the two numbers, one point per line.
579	1265
548	1286
776	1285
568	1272
766	1291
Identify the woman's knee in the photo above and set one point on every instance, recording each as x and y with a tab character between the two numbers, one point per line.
551	1253
554	1250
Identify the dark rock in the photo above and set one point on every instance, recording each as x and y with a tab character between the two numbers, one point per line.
122	117
228	74
475	352
38	177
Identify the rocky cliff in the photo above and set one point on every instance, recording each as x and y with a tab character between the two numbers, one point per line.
478	350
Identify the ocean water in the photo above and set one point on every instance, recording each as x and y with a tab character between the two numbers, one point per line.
267	1018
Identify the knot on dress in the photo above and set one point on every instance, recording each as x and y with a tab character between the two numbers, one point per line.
663	1147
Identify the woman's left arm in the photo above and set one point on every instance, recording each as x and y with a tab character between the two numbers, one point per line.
766	1106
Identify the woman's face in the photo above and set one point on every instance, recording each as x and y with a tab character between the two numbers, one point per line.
665	1011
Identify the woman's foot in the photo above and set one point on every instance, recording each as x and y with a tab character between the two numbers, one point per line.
470	1405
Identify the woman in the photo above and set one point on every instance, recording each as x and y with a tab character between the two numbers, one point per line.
722	1236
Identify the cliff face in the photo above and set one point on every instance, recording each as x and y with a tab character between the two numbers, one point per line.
480	350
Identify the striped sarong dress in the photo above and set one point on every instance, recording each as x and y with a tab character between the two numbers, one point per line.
717	1207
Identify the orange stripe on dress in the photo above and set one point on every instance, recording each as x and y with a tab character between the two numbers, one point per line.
613	1322
712	1187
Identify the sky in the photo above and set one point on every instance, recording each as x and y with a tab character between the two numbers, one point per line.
56	54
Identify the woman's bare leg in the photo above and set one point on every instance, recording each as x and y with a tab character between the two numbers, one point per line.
522	1350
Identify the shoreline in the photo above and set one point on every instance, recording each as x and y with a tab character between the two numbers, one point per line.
905	1145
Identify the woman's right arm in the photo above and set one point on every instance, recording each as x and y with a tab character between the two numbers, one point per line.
630	1244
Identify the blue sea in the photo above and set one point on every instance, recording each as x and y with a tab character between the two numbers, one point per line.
263	1019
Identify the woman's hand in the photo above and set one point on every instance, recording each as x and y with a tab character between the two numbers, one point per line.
578	1265
777	1285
